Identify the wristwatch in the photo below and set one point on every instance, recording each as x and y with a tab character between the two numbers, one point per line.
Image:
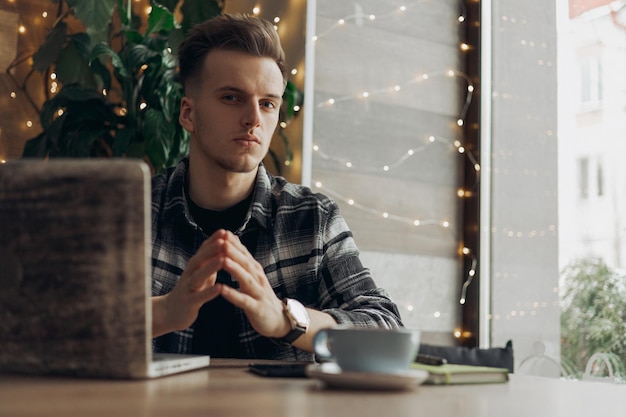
298	318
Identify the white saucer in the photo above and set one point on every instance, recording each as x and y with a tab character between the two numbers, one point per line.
333	377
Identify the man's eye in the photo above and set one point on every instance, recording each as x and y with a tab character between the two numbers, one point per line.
269	104
229	97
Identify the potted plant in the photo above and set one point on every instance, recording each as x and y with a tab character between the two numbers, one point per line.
120	95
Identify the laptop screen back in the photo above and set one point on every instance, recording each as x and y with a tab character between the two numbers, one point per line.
74	292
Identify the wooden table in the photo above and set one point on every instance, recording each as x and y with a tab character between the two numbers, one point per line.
226	388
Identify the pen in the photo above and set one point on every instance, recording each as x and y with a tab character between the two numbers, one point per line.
430	359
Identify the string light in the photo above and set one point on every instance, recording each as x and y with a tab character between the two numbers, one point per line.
359	17
423	144
380	214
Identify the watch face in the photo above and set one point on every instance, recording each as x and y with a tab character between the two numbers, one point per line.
299	313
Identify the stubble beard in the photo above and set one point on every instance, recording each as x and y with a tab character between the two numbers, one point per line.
239	167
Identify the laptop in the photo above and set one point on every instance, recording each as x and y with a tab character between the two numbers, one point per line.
75	264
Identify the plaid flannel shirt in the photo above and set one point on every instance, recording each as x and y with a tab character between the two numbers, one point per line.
303	244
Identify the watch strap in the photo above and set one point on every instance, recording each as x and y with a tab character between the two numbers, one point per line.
297	329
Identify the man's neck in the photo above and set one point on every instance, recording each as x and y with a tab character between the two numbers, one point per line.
217	189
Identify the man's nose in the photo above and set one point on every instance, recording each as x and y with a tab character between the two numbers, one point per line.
252	115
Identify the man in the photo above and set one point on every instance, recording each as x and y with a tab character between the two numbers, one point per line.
244	263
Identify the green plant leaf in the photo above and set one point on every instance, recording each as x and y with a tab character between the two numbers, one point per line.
102	72
82	41
160	19
49	51
80	143
104	49
95	15
158	133
168	4
79	103
36	147
122	12
123	138
198	11
72	68
139	55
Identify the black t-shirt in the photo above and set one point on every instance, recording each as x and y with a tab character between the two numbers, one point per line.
216	328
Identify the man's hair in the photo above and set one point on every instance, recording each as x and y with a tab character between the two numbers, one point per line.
245	33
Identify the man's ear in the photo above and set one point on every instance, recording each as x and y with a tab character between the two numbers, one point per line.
185	118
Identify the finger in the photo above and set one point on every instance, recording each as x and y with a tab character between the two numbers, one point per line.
250	282
235	250
210	248
207	294
237	298
206	274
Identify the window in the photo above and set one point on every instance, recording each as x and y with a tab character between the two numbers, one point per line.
600	179
583	178
591	82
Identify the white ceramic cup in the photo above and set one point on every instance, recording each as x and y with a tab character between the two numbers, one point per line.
366	349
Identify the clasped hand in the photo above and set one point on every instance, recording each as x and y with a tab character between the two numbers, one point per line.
197	285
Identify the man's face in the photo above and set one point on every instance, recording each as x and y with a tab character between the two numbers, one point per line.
233	110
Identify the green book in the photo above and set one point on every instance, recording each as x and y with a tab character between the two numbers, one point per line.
462	374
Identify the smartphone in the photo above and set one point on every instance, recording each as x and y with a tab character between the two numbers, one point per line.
280	370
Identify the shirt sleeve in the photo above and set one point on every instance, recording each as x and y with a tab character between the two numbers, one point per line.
348	291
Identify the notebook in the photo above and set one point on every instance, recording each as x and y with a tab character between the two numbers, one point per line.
448	374
75	270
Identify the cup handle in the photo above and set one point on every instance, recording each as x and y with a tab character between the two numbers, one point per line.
320	346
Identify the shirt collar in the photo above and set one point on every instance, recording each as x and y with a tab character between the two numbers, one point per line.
261	208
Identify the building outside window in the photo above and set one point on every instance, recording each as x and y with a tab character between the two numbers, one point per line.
592	133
